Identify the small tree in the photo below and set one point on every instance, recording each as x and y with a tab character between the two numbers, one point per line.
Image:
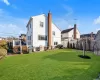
68	44
84	47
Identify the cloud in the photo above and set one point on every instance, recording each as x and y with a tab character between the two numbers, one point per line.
97	20
70	26
65	21
6	2
97	29
68	9
14	6
10	25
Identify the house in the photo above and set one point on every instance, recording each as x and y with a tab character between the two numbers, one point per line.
42	32
1	38
88	36
68	35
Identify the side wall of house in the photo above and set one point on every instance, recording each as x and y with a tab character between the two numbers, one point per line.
38	30
57	36
29	33
78	34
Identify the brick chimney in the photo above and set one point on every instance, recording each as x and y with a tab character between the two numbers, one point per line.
75	33
49	30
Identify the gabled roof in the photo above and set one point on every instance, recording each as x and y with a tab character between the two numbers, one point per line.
40	15
67	30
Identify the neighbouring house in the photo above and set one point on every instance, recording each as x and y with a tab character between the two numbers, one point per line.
1	38
88	36
42	32
68	35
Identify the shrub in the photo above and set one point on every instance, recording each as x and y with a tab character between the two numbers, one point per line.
73	45
3	52
59	46
68	45
3	44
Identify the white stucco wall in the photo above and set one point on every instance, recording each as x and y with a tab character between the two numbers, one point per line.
78	34
64	35
57	36
36	30
29	33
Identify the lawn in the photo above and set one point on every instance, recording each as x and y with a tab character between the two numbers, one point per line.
50	65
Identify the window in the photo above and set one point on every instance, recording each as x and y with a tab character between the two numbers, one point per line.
28	28
54	33
41	24
29	43
61	36
42	37
55	43
30	25
29	37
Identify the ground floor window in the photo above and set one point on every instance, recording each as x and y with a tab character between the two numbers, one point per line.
55	43
42	37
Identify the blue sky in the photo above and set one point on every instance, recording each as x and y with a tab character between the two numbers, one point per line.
14	14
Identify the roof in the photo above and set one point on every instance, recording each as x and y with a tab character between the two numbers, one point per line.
67	30
40	15
87	35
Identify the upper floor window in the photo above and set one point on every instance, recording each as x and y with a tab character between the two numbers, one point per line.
28	28
54	33
29	37
30	25
41	24
42	37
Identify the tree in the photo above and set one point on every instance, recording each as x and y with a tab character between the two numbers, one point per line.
84	46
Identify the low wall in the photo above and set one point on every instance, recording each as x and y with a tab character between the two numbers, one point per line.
17	49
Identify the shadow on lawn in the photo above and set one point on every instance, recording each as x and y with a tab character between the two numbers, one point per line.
63	56
84	57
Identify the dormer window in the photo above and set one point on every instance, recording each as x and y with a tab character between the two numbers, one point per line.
41	24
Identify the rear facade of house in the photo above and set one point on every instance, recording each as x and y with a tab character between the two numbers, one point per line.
41	31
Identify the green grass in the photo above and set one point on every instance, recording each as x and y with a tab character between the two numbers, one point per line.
51	65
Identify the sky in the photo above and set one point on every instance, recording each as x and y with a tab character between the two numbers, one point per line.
14	14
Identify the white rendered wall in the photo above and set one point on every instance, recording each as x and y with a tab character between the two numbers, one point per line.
29	33
38	30
78	34
57	36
